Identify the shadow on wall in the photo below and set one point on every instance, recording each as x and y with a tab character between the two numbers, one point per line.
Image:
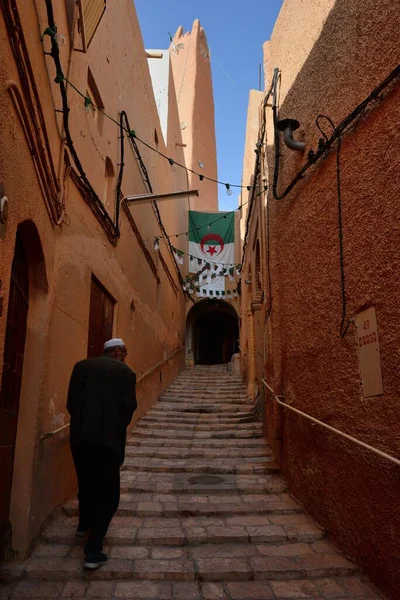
211	333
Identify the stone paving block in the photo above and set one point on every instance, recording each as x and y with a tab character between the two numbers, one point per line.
294	589
77	551
329	588
250	590
43	550
144	590
213	591
12	571
196	535
117	568
186	590
299	549
227	534
326	565
294	519
161	536
303	533
101	589
169	553
223	569
354	586
75	589
249	520
50	569
266	533
281	567
129	552
34	589
324	547
164	569
203	522
121	535
223	551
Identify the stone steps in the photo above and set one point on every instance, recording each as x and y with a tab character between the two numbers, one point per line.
193	531
207	435
173	505
200	483
197	419
201	453
199	398
158	465
204	515
183	407
211	427
197	569
197	443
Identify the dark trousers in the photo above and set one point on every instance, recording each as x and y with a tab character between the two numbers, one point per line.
97	468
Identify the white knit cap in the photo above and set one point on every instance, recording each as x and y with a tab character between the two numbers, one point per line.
114	343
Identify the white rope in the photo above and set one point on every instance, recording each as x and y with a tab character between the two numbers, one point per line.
388	457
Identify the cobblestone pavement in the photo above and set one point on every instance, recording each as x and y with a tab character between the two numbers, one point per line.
204	515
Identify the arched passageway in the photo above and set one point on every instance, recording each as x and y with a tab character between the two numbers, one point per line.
212	333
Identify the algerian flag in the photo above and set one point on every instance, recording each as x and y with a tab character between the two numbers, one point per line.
212	236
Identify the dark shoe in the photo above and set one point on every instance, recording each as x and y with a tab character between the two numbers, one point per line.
94	561
82	532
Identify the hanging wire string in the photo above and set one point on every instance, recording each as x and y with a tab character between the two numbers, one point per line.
271	90
327	143
224	216
60	79
228	77
132	133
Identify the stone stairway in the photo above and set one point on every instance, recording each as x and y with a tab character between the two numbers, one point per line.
204	515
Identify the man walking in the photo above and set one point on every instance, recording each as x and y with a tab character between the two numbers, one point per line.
101	402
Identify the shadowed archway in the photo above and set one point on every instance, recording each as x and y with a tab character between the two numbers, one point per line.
212	333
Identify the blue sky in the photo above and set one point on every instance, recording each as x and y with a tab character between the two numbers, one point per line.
235	33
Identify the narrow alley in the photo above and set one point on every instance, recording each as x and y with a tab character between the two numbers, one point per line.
199	259
204	515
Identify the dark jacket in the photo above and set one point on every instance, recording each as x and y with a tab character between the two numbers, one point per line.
101	402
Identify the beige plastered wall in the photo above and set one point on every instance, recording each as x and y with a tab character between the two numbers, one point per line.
150	306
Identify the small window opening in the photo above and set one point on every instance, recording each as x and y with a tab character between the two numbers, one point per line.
109	183
97	105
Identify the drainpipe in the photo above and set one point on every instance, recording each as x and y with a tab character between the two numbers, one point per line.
288	126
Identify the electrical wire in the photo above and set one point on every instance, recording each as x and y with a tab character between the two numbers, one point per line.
132	133
99	209
261	138
124	117
327	143
133	137
224	216
60	79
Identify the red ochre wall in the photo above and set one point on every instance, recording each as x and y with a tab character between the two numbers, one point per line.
331	56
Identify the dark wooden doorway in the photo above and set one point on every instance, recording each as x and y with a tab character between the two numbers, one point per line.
101	318
14	349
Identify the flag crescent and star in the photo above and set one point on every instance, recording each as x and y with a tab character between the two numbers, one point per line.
212	236
211	239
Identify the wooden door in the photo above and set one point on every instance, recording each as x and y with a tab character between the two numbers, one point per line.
101	317
11	381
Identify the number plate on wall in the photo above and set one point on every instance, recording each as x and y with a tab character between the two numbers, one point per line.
368	352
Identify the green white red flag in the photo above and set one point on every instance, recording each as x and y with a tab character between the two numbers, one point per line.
212	237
